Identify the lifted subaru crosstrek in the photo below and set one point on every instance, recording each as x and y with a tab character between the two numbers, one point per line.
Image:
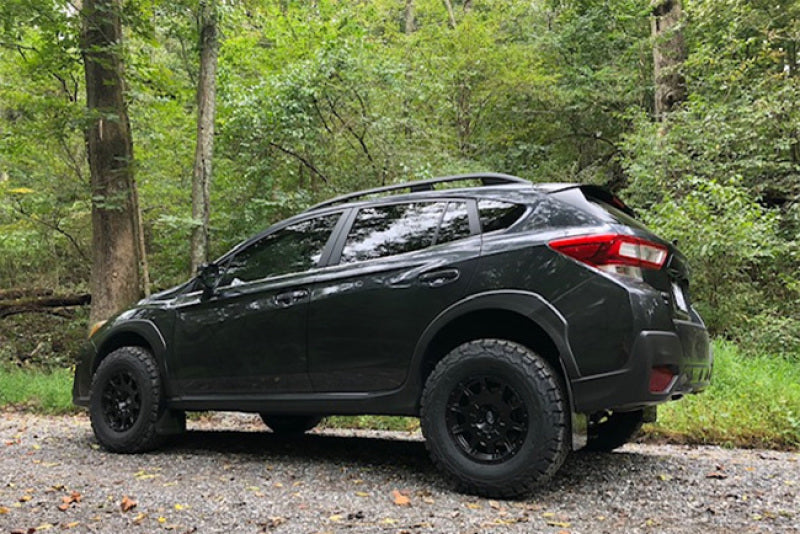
501	313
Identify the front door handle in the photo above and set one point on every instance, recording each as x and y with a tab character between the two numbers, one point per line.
439	278
289	298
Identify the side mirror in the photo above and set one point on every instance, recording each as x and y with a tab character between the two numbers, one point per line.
208	276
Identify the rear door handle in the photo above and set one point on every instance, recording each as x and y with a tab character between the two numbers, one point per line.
289	298
439	278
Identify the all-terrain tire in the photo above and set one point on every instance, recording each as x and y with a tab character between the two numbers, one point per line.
290	424
608	431
125	401
495	418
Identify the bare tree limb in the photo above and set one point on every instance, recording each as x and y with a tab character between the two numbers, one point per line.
310	166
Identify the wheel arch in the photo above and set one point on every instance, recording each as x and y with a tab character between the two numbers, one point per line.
135	333
522	317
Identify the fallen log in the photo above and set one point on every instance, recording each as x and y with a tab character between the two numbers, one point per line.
52	304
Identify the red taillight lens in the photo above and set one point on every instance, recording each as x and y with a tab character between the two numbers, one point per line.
660	379
606	251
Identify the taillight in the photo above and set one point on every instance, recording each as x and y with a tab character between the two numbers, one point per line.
619	254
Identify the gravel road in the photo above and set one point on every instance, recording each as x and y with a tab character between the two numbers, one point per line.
229	475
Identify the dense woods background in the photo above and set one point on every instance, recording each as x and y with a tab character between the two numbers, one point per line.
315	98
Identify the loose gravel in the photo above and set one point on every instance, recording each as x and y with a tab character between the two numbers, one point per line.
228	474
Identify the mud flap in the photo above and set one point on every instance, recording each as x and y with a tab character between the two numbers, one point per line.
171	422
580	424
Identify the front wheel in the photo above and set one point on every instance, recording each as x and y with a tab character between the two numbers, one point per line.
125	401
290	424
494	417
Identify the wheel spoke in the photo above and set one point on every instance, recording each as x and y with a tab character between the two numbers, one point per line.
487	419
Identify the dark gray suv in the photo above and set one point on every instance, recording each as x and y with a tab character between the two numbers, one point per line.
502	313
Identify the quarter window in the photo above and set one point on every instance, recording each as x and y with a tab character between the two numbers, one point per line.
295	248
381	231
497	215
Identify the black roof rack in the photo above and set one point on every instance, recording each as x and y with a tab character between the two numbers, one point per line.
486	178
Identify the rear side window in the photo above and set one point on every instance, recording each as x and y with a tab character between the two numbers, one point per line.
496	215
381	231
455	223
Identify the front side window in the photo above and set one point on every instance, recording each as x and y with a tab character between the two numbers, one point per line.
381	231
295	248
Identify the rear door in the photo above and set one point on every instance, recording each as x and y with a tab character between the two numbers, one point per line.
395	270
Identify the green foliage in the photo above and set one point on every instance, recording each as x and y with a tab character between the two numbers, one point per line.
320	98
38	391
753	401
722	173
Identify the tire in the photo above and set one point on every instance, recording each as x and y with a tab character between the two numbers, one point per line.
290	424
495	419
607	431
125	401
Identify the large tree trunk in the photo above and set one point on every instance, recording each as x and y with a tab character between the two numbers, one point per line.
669	52
206	106
115	252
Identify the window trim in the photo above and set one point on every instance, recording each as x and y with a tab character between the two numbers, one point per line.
336	253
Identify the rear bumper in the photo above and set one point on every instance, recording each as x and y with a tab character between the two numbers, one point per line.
686	352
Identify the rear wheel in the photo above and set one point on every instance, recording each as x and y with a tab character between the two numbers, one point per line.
125	401
494	416
609	430
290	424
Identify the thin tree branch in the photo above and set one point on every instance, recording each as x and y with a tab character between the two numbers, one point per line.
310	166
53	226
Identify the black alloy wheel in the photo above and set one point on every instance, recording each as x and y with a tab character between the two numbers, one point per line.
121	401
495	418
487	418
125	401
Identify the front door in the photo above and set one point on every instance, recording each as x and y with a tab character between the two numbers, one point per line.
250	337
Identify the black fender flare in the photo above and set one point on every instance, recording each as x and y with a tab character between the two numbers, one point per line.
530	305
143	328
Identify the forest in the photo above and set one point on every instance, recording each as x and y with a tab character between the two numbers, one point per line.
304	100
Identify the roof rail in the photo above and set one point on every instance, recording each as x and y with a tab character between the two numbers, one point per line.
486	178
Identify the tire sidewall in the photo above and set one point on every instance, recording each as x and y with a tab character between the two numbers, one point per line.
127	360
542	428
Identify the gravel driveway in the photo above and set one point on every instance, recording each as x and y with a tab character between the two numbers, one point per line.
229	475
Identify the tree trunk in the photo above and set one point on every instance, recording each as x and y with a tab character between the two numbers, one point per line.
115	259
206	106
410	25
669	52
450	14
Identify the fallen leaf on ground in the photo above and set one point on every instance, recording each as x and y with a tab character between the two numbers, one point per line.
400	499
561	524
127	504
473	505
717	475
4	510
362	494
